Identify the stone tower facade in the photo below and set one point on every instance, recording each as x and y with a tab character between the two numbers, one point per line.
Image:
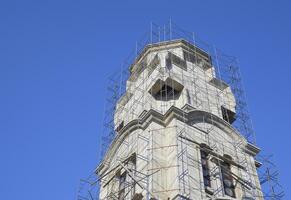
174	134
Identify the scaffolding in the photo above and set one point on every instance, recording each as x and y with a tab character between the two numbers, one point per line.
126	98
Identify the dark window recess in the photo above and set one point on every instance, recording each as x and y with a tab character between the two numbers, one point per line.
169	63
166	90
125	179
190	57
122	182
132	168
188	96
153	64
137	196
205	169
176	60
228	115
227	180
120	126
167	93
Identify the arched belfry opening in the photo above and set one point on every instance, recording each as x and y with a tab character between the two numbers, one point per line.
166	90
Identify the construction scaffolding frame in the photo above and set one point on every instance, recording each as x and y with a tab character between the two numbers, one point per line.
147	147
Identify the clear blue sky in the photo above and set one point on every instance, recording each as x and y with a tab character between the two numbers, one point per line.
54	59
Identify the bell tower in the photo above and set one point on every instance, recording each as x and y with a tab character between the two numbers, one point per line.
176	134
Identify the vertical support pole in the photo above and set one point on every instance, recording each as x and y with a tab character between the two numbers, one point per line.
217	62
135	50
271	186
151	34
170	29
120	83
159	34
164	32
149	145
195	54
250	123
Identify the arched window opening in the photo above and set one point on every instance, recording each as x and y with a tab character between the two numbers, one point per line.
166	90
205	169
227	180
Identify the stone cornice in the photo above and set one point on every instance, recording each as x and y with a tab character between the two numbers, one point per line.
185	116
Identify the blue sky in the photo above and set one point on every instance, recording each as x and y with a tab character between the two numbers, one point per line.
55	57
